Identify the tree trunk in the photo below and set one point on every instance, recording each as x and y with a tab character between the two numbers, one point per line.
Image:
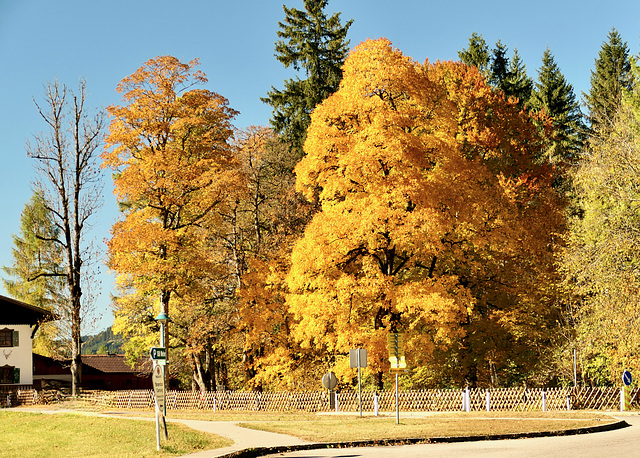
197	373
76	348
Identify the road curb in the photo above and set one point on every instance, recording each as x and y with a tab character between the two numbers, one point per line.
262	451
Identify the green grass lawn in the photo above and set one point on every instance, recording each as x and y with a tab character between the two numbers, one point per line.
26	434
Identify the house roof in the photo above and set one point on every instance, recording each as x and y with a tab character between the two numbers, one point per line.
92	364
14	312
116	364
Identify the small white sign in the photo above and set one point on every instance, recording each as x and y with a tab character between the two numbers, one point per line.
158	386
358	357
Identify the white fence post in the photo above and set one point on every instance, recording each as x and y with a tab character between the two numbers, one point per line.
621	399
544	400
375	403
488	401
468	399
336	393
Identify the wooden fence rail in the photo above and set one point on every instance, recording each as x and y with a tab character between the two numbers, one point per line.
502	399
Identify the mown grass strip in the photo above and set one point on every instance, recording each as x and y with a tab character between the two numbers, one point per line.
27	434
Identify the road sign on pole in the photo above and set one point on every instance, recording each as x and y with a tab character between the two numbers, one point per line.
158	387
159	355
358	358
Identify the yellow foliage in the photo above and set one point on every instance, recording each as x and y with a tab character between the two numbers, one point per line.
175	175
436	218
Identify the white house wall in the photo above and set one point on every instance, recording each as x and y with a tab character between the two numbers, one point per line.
20	356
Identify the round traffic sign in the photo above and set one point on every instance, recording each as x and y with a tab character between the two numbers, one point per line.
329	381
626	378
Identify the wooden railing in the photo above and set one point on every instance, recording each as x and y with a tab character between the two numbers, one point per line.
503	399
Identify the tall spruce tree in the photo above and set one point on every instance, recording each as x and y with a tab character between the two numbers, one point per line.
517	83
311	42
554	95
477	54
612	75
499	67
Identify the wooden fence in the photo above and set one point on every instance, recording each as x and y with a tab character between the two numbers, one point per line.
502	399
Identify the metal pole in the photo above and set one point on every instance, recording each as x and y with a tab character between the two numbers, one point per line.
157	423
397	402
164	382
575	368
359	384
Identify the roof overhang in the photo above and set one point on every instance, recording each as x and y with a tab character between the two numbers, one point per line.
17	312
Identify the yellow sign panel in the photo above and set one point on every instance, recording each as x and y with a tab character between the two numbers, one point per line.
395	344
398	363
398	371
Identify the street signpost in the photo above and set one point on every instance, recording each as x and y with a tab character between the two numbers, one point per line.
358	358
159	355
330	381
395	345
625	395
158	389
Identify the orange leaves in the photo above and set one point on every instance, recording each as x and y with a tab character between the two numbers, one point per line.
175	177
431	202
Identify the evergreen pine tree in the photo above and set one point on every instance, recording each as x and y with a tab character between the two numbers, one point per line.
317	45
612	75
477	54
517	84
554	95
499	67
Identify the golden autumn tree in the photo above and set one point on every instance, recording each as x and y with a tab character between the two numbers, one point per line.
436	220
266	220
175	174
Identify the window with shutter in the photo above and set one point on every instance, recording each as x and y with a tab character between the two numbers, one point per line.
6	337
7	374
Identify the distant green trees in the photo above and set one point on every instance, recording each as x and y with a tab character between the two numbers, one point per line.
104	342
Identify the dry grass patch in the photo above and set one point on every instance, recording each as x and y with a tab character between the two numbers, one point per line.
354	428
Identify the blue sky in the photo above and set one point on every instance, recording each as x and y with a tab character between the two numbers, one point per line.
104	41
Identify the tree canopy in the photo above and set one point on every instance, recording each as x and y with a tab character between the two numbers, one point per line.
435	220
175	176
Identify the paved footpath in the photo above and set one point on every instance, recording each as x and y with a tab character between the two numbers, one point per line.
243	438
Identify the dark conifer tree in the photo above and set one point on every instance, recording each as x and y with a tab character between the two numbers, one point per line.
317	45
517	83
554	95
499	67
477	54
611	76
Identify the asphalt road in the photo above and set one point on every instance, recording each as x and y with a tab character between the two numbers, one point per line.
623	442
